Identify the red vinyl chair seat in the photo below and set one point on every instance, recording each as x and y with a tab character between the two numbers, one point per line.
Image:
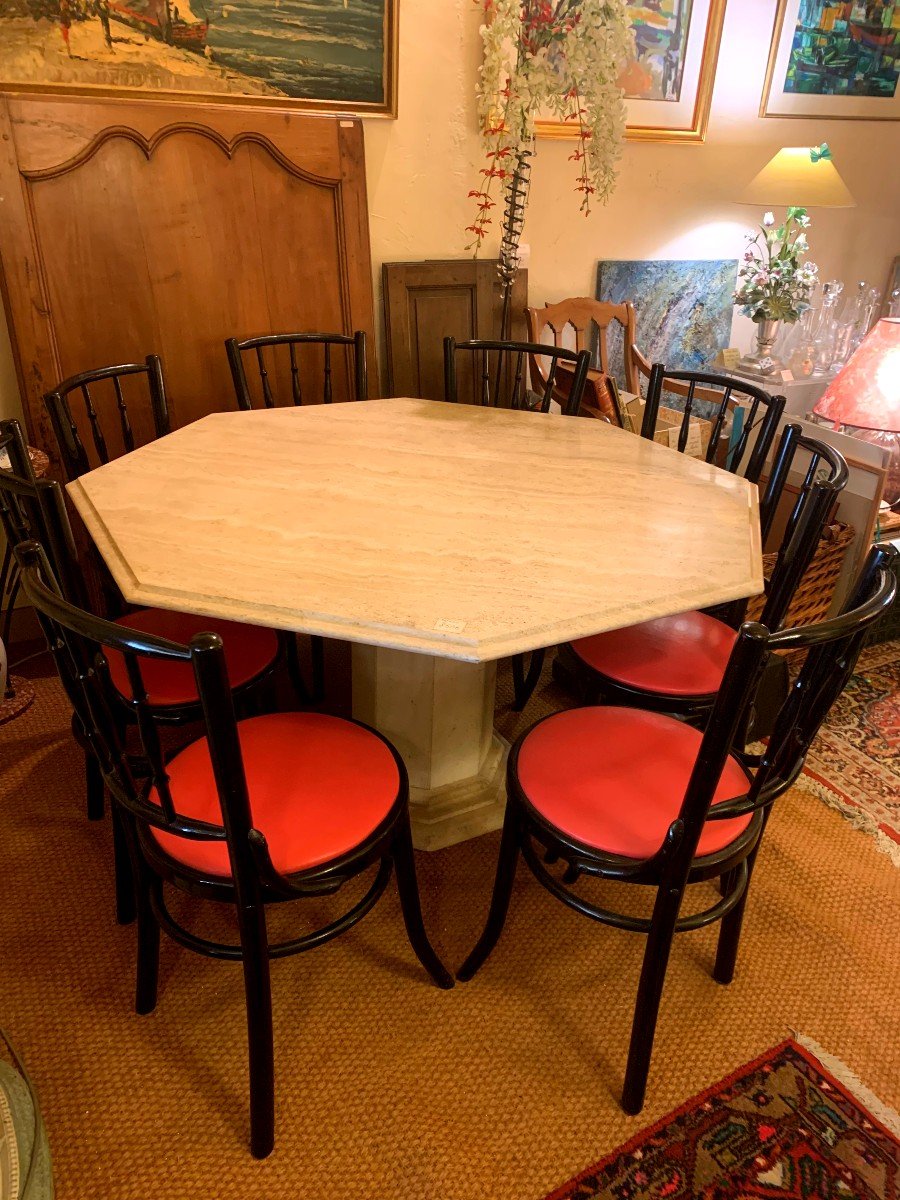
683	655
614	779
249	650
318	787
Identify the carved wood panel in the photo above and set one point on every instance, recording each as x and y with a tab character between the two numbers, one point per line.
424	302
138	228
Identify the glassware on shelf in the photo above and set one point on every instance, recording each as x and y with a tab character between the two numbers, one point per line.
824	333
894	303
796	348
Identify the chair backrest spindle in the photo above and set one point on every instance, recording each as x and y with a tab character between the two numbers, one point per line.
724	392
513	363
75	457
354	351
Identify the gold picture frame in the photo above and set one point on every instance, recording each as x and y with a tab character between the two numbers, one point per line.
689	123
781	102
108	26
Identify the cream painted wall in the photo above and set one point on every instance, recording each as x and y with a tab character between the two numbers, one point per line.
672	201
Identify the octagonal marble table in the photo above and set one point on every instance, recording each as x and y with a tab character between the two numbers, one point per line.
437	538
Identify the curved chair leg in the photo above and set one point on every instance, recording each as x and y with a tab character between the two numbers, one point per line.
126	907
730	930
411	905
503	886
258	993
646	1009
293	665
94	786
148	945
524	682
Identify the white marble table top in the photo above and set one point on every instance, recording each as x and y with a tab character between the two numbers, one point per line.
457	531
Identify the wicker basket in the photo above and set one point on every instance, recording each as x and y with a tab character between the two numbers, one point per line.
813	596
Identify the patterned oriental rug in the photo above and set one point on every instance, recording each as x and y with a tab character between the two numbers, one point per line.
784	1127
854	763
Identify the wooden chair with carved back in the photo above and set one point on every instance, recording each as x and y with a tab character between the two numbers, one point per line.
585	322
299	367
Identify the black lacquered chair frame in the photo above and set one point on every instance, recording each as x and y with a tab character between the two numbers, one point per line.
74	456
724	391
78	640
257	346
34	509
502	386
832	648
825	478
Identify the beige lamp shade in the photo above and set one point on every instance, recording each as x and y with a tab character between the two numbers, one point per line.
793	178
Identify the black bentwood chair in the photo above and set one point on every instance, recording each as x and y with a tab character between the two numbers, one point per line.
639	797
495	375
720	394
34	509
264	351
676	664
354	344
112	433
252	813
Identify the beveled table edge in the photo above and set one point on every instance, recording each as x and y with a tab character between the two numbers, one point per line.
436	643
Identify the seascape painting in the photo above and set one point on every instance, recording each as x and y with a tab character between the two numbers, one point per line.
834	58
683	308
661	29
318	53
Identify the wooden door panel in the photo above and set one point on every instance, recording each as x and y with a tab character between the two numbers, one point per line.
425	302
148	230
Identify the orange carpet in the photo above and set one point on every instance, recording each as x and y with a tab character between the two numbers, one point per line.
386	1086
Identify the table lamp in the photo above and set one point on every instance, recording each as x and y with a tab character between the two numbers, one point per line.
799	176
863	399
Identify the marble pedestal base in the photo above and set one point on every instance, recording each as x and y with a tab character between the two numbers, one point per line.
439	713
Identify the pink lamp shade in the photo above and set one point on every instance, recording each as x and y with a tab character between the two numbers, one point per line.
863	399
865	393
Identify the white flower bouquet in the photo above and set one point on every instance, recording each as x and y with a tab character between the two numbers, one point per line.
773	284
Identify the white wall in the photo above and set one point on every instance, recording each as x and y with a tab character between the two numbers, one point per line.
672	201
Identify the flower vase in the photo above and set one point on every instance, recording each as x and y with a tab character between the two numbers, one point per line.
766	337
762	363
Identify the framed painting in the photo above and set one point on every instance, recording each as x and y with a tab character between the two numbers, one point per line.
683	308
668	84
838	59
330	55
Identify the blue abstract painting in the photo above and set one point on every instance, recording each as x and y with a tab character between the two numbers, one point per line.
683	308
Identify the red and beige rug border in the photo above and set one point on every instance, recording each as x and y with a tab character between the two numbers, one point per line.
835	1071
886	839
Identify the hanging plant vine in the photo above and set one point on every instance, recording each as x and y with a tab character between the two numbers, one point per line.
557	59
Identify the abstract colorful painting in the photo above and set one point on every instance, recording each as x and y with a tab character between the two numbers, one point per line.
661	30
683	308
337	54
668	83
835	58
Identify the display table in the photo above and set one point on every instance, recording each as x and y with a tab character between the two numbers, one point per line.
437	538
